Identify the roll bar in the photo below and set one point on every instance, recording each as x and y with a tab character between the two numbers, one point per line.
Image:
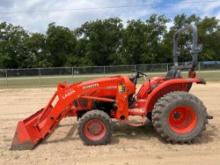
195	47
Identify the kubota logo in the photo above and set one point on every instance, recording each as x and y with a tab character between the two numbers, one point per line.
91	86
68	93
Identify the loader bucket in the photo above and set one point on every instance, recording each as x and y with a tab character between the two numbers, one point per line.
35	128
27	134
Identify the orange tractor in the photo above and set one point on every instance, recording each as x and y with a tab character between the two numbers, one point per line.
178	116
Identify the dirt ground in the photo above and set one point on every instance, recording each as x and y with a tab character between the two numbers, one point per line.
129	145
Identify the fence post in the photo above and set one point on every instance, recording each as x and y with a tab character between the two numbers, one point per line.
167	67
104	70
199	66
72	71
39	75
6	76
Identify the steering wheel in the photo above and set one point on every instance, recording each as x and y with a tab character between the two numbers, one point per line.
137	75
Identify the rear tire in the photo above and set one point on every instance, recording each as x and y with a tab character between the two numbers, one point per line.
179	117
95	128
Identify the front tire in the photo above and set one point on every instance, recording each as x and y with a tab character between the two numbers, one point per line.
179	117
95	128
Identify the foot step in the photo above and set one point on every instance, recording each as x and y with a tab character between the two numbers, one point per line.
136	111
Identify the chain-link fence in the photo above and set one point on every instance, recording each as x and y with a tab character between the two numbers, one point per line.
43	77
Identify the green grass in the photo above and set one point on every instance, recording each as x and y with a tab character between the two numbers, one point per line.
52	81
210	75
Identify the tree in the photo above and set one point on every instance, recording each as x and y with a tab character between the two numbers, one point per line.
209	36
38	54
102	39
156	30
134	42
12	48
60	43
142	41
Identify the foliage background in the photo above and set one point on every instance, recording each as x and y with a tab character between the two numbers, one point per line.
105	42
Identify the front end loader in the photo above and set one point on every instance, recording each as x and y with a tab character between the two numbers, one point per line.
177	115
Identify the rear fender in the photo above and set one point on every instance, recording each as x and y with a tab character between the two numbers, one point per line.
170	86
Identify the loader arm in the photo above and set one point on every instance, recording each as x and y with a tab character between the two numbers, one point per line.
30	131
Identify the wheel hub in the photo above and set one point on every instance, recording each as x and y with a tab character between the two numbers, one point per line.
94	129
176	115
182	119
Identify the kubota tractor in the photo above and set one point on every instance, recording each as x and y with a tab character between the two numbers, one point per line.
177	115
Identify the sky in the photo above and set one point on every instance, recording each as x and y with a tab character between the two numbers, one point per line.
35	15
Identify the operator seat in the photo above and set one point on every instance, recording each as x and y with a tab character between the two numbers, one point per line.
173	73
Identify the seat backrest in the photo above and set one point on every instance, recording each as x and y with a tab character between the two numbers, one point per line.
173	73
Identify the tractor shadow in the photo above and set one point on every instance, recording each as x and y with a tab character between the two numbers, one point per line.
129	132
120	131
71	134
148	132
209	135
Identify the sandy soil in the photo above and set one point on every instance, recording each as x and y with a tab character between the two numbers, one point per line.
129	145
